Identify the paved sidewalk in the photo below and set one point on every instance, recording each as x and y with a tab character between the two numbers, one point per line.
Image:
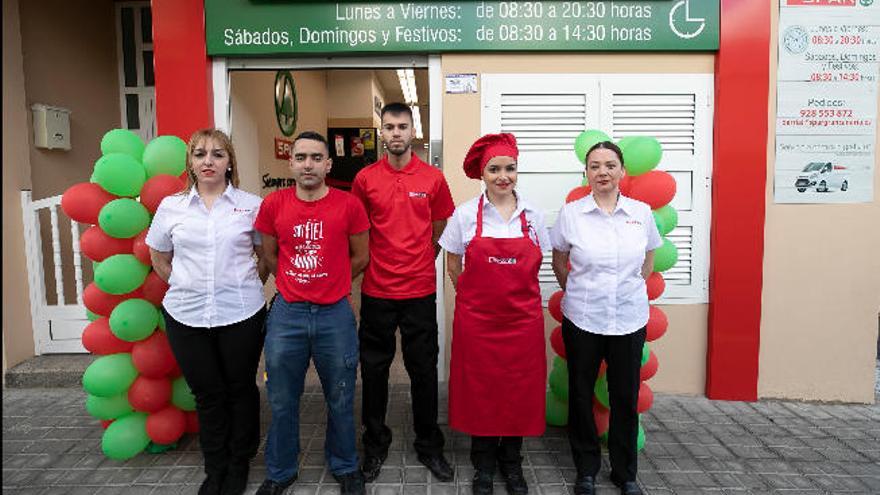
694	446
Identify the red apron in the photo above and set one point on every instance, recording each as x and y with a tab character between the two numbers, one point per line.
497	380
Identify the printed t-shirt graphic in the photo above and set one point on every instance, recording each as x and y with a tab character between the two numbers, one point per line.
313	246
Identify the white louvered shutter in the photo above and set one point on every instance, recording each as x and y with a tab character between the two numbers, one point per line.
677	110
545	112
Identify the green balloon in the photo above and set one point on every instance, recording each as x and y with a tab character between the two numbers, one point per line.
640	154
557	411
123	218
109	375
559	378
134	319
666	256
92	316
667	217
120	274
123	141
640	440
646	353
126	437
161	322
155	448
586	140
600	390
181	395
108	407
120	174
165	155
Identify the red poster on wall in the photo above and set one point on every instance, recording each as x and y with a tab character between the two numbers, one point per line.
282	148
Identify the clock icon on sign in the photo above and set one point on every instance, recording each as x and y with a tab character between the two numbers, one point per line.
795	39
682	24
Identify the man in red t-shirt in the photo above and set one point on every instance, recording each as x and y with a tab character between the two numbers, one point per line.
408	202
315	240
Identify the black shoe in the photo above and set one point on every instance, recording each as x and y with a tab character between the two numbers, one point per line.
514	480
628	488
212	484
585	485
351	483
482	482
371	467
438	465
235	482
270	487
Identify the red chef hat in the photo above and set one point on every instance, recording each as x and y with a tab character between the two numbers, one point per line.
486	148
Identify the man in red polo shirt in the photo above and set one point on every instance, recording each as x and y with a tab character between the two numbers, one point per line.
408	202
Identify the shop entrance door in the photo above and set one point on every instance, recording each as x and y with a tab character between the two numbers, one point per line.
338	97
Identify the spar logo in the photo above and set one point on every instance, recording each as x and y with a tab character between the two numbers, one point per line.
502	261
285	102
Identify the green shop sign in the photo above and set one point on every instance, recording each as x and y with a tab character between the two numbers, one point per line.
280	27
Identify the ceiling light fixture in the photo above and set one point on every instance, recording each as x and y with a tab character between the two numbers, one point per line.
417	121
407	80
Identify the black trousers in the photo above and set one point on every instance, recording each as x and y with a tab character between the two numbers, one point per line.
220	366
487	452
417	320
623	354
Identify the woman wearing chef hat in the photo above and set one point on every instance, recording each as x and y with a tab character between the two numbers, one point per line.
497	381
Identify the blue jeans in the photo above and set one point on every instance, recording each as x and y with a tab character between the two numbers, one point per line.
296	332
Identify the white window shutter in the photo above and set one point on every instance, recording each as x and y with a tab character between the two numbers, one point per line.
676	109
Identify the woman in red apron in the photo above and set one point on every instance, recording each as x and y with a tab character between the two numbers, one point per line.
497	380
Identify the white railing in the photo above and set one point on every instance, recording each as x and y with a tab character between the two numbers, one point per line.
57	327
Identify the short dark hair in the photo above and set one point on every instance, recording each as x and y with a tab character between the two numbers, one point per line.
313	136
607	145
396	108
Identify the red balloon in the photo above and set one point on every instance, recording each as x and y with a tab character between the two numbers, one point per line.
657	188
102	303
106	422
625	185
554	305
646	398
656	285
556	341
98	339
184	178
149	394
140	249
157	188
657	324
175	371
601	415
96	245
154	288
578	193
192	422
152	356
82	202
166	426
603	367
649	369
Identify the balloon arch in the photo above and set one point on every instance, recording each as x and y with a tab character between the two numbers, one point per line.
641	155
135	387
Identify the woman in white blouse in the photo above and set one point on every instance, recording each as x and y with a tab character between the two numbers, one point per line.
497	379
603	250
202	242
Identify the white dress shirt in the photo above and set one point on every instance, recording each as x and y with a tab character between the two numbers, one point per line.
214	279
605	292
462	227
